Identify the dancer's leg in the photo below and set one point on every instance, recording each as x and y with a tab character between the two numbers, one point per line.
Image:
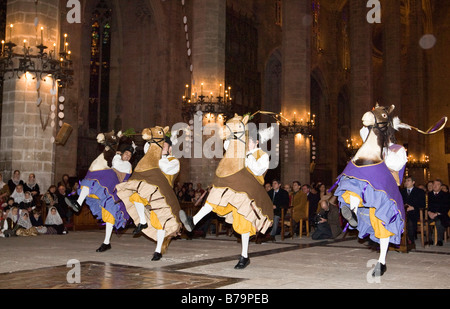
83	194
384	246
380	268
140	208
160	235
244	260
108	233
245	238
190	222
206	209
354	203
106	243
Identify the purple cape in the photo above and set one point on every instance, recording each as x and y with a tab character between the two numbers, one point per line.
378	189
103	184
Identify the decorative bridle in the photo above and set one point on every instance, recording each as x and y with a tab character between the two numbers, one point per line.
238	135
382	126
156	141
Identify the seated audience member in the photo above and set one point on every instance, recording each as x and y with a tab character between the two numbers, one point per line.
313	199
4	191
438	207
25	227
31	186
18	195
414	201
9	203
14	181
50	197
54	223
10	225
2	220
299	202
65	182
28	203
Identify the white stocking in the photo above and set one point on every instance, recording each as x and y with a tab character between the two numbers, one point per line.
83	194
354	203
141	212
202	212
244	240
108	232
384	246
160	235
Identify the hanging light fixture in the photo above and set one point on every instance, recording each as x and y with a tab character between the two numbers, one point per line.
41	62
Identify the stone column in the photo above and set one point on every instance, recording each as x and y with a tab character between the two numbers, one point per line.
296	80
208	46
25	145
208	59
361	76
391	54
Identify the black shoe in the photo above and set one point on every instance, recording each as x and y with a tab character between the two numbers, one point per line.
139	228
74	205
379	270
103	248
439	243
350	216
243	262
156	256
187	221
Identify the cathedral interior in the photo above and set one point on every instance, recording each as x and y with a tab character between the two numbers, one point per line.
133	64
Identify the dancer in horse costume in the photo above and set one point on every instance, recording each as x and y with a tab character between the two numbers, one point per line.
368	187
98	187
148	194
238	193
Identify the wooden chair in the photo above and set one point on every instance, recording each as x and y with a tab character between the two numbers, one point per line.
303	219
422	226
286	222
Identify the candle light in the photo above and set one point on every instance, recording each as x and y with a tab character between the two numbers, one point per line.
3	46
54	49
42	35
10	32
201	89
65	42
25	44
220	90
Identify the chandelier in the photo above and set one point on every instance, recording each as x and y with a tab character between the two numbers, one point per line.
212	107
304	127
41	62
351	148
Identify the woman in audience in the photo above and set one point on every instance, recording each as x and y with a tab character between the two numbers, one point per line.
4	191
18	195
14	181
10	224
32	186
25	227
54	223
36	221
50	197
28	202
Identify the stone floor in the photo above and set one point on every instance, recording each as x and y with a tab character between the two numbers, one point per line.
51	261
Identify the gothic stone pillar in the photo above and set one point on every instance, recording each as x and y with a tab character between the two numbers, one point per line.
208	60
296	80
25	145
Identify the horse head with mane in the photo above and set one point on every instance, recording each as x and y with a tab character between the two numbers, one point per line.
155	137
379	134
235	133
